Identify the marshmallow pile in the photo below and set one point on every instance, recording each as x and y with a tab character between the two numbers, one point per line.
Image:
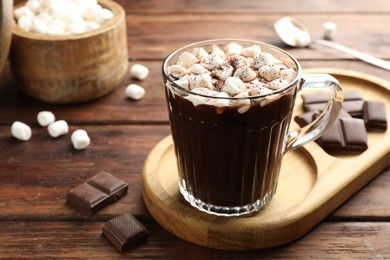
80	139
229	71
61	17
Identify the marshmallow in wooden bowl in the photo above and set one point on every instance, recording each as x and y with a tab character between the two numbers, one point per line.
69	51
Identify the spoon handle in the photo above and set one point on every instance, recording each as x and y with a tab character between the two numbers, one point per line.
357	54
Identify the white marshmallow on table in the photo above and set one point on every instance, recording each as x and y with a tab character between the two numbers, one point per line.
138	71
21	131
58	128
330	29
135	91
80	139
45	118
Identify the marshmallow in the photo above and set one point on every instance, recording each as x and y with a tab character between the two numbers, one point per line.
200	81
197	69
251	51
259	91
80	139
25	23
269	72
177	71
287	74
21	131
212	61
238	61
44	17
278	83
139	72
242	101
183	82
198	100
265	58
221	102
33	5
233	86
245	73
223	72
135	91
91	25
23	11
186	60
103	15
58	128
218	51
45	118
233	49
330	29
38	26
199	53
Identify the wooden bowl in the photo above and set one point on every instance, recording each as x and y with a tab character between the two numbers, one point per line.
71	68
5	30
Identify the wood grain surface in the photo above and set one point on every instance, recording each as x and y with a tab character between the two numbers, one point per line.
35	175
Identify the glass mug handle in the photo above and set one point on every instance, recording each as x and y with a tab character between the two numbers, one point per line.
325	120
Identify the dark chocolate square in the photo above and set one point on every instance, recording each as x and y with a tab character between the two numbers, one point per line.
374	115
85	198
124	230
98	192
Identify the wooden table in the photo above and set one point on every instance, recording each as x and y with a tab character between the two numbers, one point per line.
36	175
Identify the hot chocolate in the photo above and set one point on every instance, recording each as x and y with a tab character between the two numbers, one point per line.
230	107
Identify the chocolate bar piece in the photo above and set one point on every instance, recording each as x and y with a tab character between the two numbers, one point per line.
374	115
315	101
124	230
346	134
308	117
353	102
98	192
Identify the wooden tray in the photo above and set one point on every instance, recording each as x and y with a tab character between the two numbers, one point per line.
312	185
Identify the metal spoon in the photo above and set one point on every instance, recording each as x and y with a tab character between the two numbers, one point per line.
295	34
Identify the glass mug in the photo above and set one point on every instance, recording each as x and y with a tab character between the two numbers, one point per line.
229	160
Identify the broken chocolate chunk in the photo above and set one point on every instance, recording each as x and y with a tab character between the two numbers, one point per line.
346	134
374	115
98	192
124	230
